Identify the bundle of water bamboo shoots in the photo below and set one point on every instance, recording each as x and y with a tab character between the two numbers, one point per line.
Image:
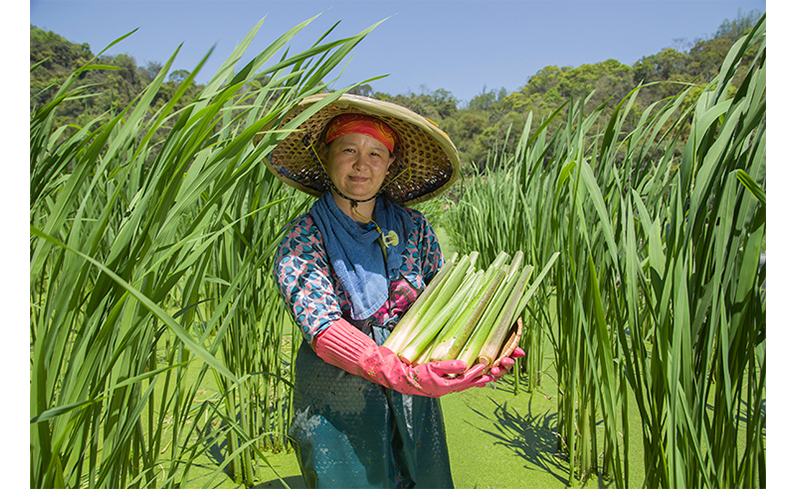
464	313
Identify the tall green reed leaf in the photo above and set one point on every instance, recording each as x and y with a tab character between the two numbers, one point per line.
658	293
151	237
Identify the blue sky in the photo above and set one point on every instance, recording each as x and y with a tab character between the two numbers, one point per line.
461	46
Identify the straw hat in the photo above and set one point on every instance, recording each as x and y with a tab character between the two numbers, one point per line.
426	161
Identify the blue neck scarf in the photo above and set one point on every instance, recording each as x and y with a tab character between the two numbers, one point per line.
355	252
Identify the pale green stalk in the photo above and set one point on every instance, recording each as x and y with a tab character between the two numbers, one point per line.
517	261
469	353
437	316
535	285
508	315
403	331
445	290
500	259
453	323
450	343
472	281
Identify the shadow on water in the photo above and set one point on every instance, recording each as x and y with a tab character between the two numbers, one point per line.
531	437
216	449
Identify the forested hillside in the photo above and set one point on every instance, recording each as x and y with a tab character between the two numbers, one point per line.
476	125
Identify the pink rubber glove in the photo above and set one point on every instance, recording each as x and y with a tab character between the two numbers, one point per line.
345	346
505	364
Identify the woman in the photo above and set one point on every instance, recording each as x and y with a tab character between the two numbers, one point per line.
348	270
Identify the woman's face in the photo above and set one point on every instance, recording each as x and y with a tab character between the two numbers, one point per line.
357	164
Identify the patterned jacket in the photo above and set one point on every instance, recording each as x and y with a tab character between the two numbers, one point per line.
315	296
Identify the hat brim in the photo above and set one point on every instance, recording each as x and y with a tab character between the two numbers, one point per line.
426	160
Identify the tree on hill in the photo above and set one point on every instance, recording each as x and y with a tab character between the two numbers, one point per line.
662	75
54	58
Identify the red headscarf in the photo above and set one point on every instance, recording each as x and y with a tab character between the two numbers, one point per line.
361	124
